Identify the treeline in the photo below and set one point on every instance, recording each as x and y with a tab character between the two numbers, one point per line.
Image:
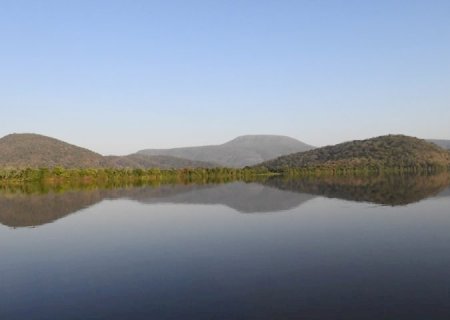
60	174
111	176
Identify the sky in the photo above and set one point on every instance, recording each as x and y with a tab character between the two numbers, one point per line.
120	76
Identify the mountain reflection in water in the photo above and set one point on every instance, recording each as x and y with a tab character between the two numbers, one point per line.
21	209
393	190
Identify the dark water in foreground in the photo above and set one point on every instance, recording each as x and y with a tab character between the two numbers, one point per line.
302	249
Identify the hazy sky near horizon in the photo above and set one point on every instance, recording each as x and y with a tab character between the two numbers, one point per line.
118	76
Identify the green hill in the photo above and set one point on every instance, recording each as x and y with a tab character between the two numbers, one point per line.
391	151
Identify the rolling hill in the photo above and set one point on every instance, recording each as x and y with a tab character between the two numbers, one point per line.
38	151
385	151
33	150
143	161
243	151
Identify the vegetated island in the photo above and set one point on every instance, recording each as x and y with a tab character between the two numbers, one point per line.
29	157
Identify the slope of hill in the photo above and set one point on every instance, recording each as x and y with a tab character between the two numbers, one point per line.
33	150
240	152
37	151
143	161
385	151
445	144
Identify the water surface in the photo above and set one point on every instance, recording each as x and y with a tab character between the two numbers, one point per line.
374	248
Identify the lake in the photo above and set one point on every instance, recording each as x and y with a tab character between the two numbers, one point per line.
327	248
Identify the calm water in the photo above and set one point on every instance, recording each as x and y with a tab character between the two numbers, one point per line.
302	249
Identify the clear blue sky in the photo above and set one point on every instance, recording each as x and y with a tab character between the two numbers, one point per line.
118	76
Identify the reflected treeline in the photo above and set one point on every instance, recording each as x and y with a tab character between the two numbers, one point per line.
393	190
34	205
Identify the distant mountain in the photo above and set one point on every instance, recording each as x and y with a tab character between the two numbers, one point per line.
143	161
37	151
240	152
33	150
445	144
384	151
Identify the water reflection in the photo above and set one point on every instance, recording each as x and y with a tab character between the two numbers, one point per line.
27	207
390	190
25	210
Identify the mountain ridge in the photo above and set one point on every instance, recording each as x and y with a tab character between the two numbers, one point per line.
140	161
38	151
241	151
23	150
30	150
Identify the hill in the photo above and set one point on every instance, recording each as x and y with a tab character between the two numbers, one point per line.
33	150
445	144
243	151
143	161
38	151
381	152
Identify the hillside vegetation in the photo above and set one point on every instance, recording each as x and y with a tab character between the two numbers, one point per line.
33	150
240	152
37	151
143	161
391	151
21	151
